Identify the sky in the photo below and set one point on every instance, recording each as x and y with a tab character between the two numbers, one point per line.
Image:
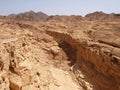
59	7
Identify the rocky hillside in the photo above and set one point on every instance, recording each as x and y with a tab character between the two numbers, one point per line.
40	16
102	16
63	53
28	16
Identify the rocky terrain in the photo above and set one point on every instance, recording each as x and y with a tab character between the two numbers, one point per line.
60	52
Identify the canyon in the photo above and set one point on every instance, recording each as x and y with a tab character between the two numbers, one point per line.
41	52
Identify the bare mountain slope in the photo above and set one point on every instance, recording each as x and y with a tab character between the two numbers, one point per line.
29	16
102	16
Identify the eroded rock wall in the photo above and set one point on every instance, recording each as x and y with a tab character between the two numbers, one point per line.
96	66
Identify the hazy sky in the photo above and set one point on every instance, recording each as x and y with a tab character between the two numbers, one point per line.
52	7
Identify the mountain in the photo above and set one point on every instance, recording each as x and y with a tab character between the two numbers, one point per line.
98	16
30	16
40	16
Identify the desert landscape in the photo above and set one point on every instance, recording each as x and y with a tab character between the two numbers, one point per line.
60	52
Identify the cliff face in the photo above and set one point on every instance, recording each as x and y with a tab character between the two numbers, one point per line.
60	54
95	56
94	65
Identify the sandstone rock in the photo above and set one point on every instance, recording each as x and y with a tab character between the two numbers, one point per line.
66	52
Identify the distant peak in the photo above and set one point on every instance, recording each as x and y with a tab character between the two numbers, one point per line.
31	11
30	16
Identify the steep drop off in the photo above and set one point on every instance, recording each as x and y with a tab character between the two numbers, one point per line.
95	65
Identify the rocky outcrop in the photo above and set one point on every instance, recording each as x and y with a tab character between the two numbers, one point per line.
27	61
96	66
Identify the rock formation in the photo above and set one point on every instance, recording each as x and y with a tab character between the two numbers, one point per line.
62	53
